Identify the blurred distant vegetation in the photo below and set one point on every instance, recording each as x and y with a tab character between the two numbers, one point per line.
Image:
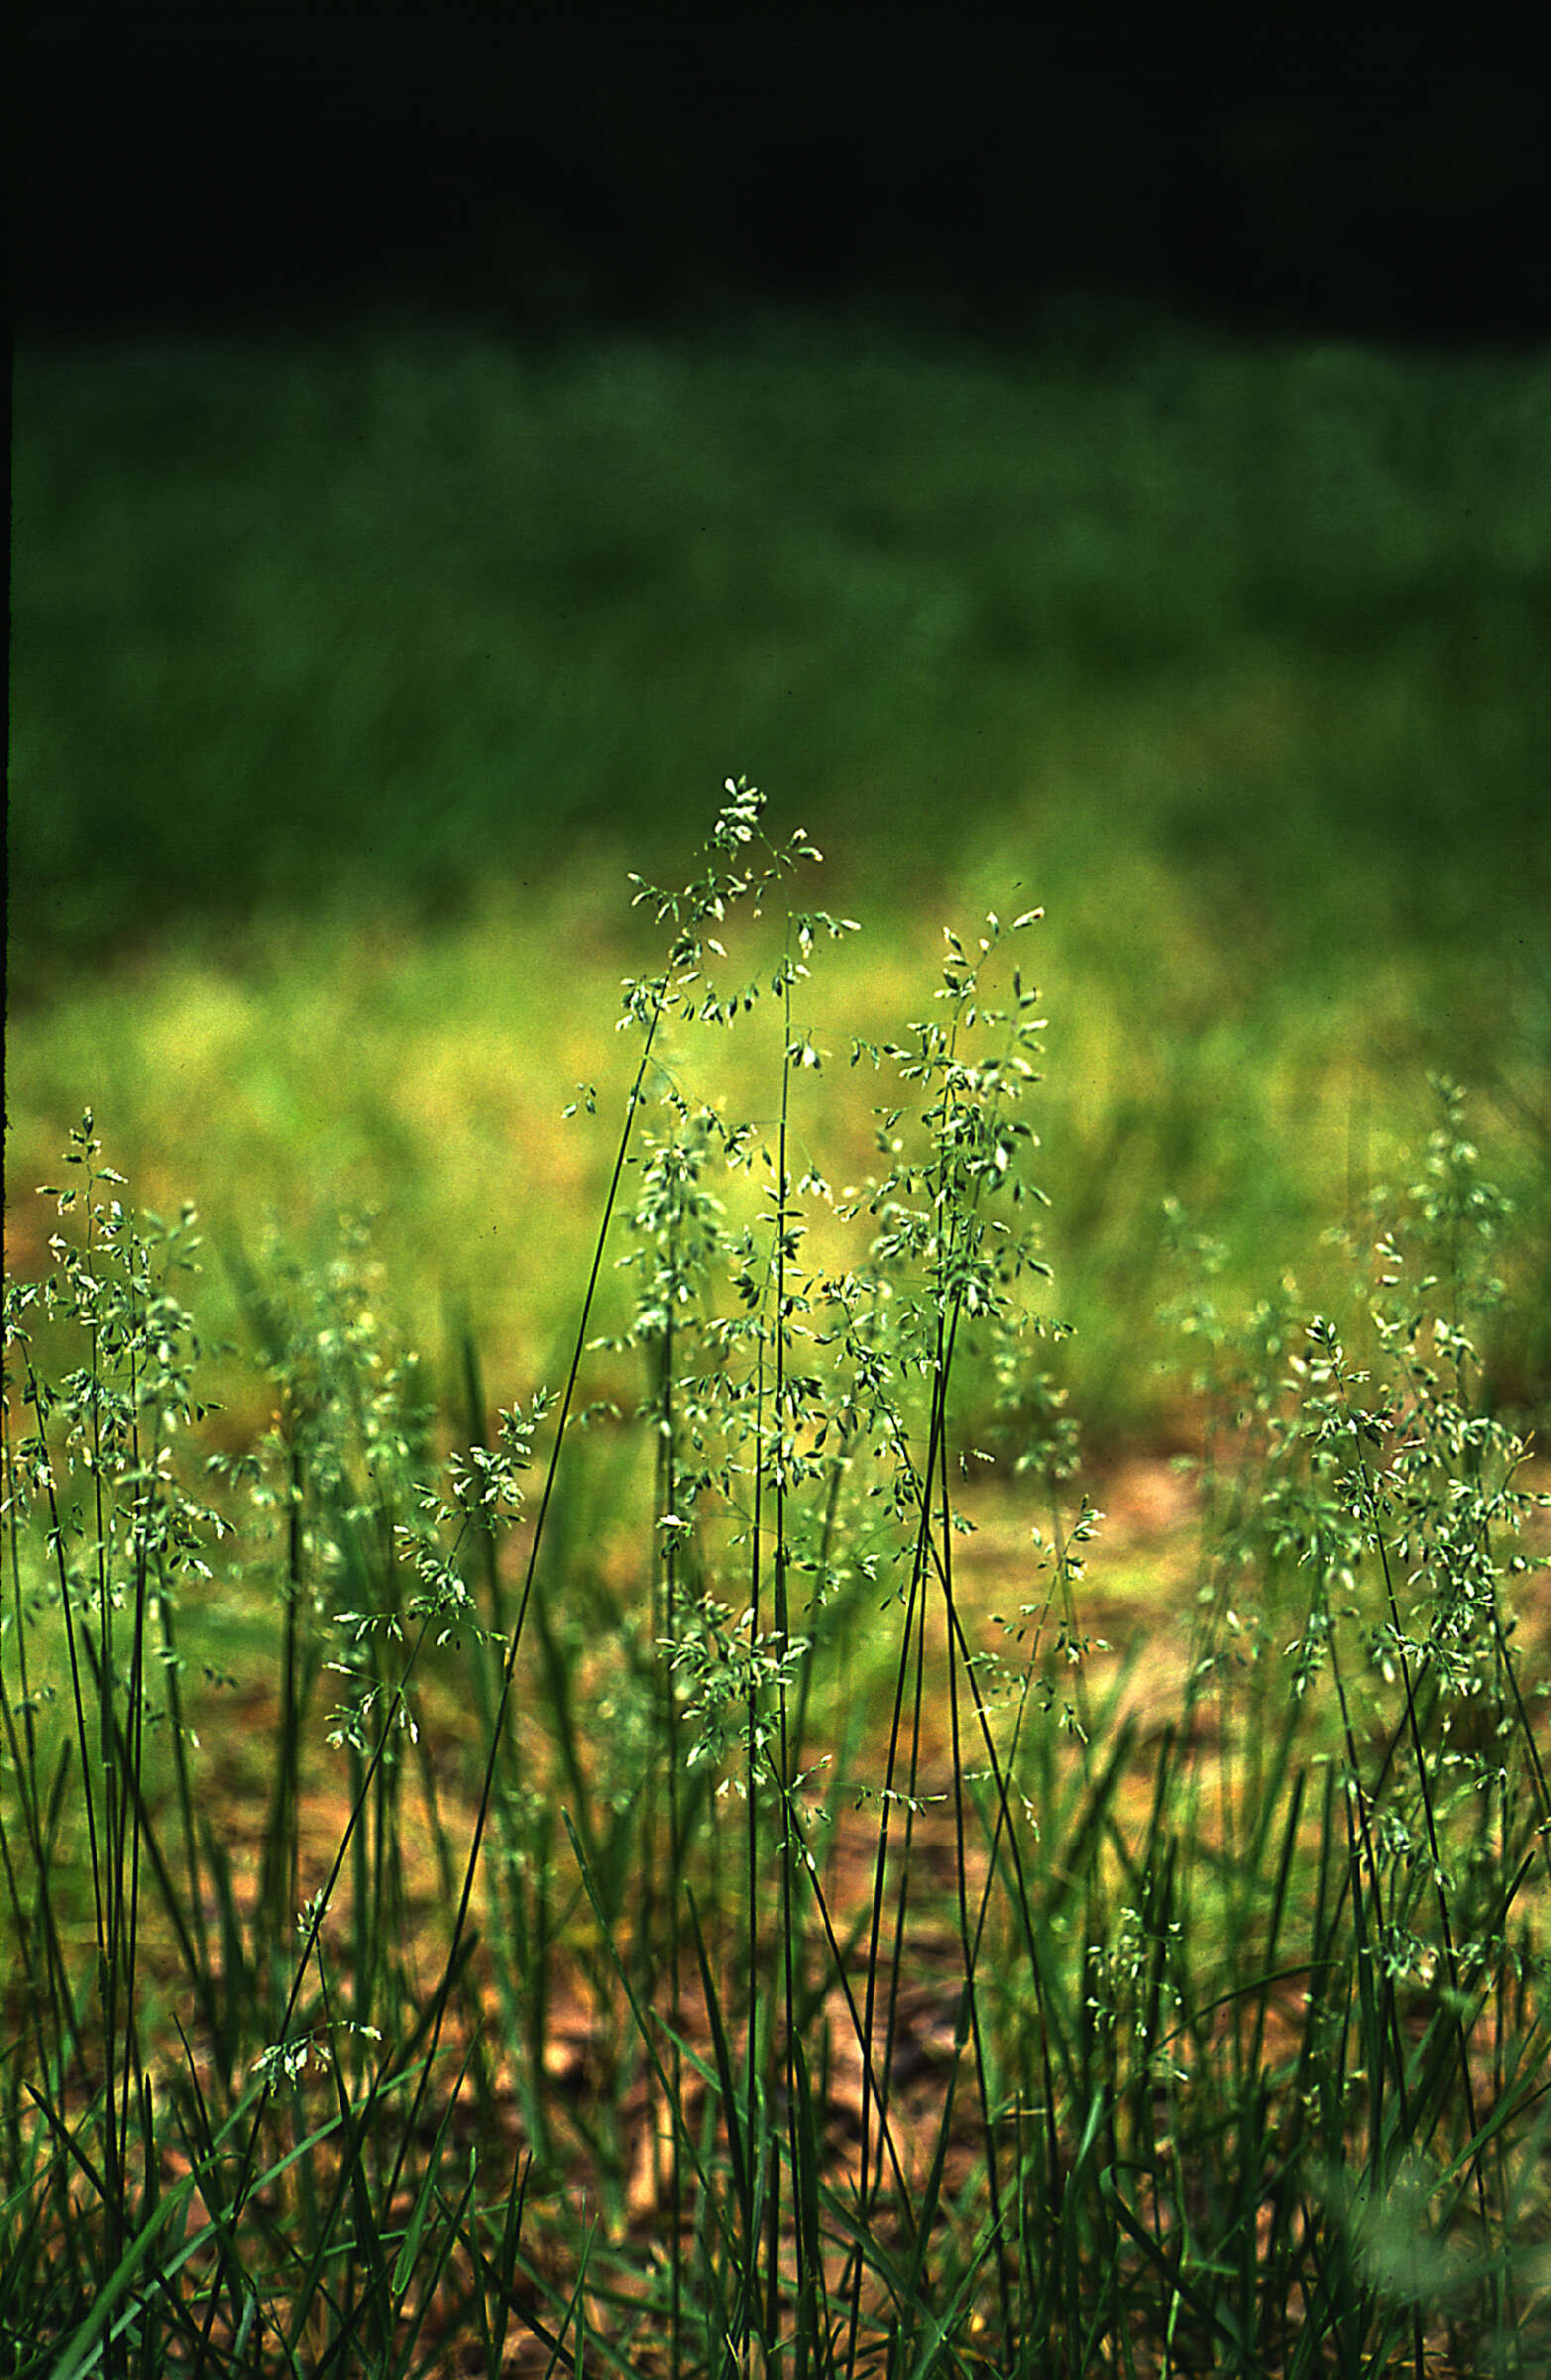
394	614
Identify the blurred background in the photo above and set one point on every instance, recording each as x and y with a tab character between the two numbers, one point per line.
1065	461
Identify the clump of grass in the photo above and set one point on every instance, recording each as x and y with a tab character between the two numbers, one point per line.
646	1913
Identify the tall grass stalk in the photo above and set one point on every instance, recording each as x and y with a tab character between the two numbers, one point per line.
709	1934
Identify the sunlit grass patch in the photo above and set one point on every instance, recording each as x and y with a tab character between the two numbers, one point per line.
423	1077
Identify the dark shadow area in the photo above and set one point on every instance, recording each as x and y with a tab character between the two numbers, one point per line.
545	165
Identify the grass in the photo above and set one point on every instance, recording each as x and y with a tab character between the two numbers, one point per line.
750	1919
339	670
421	1076
398	613
657	1901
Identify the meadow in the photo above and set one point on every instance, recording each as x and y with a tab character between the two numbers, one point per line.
586	1784
350	681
